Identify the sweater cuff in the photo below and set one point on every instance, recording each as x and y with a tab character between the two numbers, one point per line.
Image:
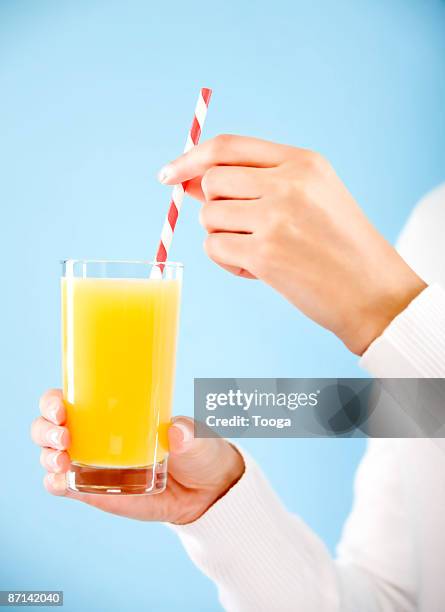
220	527
413	345
257	552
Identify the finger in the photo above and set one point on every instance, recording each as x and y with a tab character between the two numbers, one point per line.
226	150
234	182
55	461
191	456
194	189
52	407
229	216
44	433
182	438
230	249
237	271
180	433
55	484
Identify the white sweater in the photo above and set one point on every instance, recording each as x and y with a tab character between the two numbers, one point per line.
391	556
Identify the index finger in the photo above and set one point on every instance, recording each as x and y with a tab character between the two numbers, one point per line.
225	150
52	406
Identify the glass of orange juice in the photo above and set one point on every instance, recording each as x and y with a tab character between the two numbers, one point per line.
119	330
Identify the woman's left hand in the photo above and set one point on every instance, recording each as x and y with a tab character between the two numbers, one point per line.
282	215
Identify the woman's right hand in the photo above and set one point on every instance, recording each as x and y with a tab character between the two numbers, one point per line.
200	470
282	215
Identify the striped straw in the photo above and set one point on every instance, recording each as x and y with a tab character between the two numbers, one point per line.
179	190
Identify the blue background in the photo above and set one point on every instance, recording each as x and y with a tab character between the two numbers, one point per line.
95	97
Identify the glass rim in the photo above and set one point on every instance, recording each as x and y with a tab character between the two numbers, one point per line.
167	264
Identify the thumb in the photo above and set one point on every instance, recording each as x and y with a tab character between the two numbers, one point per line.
197	462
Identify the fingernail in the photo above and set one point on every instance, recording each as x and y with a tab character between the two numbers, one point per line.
54	460
165	174
187	435
54	437
53	410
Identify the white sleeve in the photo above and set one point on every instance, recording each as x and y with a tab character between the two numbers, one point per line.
376	557
413	345
378	535
263	558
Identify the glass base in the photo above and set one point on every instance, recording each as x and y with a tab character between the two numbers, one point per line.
118	481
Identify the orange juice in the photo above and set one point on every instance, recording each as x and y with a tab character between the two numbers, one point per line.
119	347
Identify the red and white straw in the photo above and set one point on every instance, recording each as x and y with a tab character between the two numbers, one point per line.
179	190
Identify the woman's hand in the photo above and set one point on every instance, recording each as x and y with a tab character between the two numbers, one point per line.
200	470
282	215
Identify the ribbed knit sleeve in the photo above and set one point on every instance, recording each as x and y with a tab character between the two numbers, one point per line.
413	345
261	557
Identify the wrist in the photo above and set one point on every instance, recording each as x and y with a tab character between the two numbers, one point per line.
233	468
378	311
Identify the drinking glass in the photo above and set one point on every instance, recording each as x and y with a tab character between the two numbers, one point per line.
119	332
